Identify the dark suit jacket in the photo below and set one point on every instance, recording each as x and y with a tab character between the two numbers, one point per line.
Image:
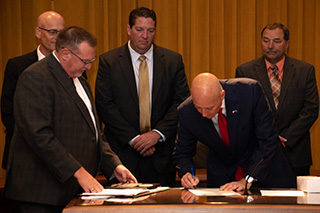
252	135
118	103
298	104
15	66
54	136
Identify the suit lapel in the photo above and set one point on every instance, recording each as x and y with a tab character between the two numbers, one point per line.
158	70
33	57
89	94
66	82
260	69
128	73
288	72
232	108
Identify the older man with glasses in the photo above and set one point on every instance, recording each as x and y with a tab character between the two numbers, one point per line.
57	148
49	25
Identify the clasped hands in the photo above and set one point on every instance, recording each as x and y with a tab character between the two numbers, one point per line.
145	143
189	182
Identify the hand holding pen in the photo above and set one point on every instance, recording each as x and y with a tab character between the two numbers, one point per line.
189	181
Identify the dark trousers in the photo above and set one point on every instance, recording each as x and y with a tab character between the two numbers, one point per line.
26	207
301	171
146	173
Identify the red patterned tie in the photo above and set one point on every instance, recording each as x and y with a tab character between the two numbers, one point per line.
223	126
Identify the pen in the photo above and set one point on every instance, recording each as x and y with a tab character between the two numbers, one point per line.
192	173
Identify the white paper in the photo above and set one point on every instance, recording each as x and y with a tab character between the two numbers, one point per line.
282	193
95	199
212	192
124	192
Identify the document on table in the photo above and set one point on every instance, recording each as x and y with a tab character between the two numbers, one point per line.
282	193
98	200
212	192
132	192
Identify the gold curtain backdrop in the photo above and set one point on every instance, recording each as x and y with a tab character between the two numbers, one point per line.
212	35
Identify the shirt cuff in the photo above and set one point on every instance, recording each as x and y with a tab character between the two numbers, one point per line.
130	142
163	138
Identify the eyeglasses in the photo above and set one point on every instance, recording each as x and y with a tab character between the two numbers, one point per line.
51	32
86	62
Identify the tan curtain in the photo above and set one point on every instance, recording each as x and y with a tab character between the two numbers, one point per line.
212	35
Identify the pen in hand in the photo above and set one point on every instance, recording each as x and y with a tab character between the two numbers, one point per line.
192	173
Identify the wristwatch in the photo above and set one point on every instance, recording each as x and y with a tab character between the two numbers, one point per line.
249	179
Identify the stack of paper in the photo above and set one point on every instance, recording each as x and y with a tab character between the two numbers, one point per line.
310	184
133	192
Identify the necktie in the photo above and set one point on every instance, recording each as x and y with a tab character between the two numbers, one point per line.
223	127
144	96
275	84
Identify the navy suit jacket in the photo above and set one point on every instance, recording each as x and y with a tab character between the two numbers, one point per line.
252	135
298	104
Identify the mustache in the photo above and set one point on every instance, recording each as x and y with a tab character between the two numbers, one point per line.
271	51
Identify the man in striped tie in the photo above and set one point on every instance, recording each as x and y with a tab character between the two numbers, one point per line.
291	88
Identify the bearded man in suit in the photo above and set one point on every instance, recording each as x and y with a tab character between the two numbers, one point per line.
142	136
294	100
56	148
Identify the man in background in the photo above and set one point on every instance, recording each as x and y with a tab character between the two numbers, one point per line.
49	25
291	88
138	89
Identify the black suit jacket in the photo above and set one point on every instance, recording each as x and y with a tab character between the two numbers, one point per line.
15	66
54	136
118	103
298	104
252	134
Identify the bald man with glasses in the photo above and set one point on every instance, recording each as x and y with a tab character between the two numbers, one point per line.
49	25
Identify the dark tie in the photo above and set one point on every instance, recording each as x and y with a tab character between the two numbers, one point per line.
275	84
144	96
223	126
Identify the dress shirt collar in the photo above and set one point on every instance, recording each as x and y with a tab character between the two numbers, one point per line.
54	54
135	56
39	53
280	64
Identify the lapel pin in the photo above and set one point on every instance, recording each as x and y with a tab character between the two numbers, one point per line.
234	111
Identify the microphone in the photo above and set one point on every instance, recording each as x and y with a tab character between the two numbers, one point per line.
249	176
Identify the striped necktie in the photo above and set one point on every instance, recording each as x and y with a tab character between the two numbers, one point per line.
275	83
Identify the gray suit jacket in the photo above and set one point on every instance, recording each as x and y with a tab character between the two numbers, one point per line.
118	103
54	136
298	104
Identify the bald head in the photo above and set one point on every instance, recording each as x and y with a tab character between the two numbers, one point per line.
49	18
207	94
49	25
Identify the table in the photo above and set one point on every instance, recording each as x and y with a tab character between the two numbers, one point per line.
182	201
